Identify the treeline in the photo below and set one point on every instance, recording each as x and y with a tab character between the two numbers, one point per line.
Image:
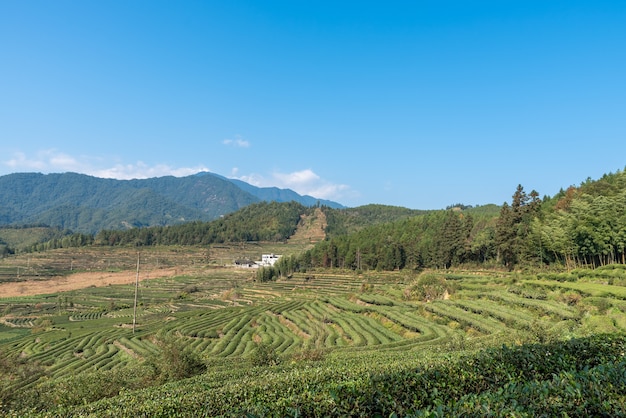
257	222
70	240
582	226
586	225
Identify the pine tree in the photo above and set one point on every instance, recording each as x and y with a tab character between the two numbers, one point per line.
513	226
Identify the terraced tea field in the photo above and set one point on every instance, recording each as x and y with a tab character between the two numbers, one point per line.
223	313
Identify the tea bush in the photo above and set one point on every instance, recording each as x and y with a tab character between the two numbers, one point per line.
578	377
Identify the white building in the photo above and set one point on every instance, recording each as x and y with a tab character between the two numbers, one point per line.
268	259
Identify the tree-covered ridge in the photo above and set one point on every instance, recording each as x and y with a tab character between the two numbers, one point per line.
584	226
581	226
257	222
28	235
346	221
437	239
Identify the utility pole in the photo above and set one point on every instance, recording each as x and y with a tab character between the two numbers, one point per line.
136	289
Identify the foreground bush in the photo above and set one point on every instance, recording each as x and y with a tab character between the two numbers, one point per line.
171	362
579	377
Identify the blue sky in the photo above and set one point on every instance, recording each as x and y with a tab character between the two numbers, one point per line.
419	104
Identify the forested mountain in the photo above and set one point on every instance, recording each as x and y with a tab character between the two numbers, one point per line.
88	204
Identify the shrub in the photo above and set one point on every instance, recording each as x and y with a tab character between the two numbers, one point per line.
264	355
83	388
602	304
174	361
309	354
191	288
429	287
15	371
571	298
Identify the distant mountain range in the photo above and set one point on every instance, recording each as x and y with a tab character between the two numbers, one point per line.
83	203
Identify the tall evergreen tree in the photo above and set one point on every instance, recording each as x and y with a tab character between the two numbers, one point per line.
513	226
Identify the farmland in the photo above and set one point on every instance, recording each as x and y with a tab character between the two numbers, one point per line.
328	329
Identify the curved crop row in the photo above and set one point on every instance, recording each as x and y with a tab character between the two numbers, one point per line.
511	317
545	307
482	323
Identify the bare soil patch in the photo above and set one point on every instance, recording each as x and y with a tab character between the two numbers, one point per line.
125	349
80	281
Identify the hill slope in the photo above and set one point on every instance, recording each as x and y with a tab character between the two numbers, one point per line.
89	204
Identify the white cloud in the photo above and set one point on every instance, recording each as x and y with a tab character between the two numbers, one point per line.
53	161
141	170
255	180
43	161
237	142
301	178
304	182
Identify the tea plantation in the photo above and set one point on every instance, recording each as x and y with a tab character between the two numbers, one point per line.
213	341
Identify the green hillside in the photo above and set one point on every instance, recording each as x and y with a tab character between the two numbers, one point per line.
256	222
88	204
582	226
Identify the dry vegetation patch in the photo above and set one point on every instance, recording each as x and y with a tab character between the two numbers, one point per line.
311	228
292	326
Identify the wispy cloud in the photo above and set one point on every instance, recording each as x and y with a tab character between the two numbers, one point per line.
53	161
44	160
141	170
237	142
304	182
